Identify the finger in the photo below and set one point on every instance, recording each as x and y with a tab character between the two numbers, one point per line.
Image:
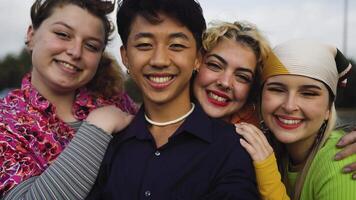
347	139
260	134
349	168
249	148
249	136
346	152
260	152
258	138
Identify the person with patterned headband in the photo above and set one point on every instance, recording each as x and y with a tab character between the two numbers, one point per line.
300	81
43	155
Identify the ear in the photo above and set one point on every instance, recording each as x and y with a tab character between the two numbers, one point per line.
198	61
30	37
327	114
124	58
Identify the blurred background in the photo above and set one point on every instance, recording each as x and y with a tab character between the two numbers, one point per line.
329	21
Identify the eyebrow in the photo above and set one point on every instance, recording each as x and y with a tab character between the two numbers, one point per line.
221	59
69	27
303	86
171	36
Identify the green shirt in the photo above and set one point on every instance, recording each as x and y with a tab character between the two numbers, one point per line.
325	180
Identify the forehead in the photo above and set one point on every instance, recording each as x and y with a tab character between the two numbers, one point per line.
78	19
295	80
166	27
234	53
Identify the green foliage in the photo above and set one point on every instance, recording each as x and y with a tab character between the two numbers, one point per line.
13	68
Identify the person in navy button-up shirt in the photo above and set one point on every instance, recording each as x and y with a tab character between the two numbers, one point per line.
172	149
202	160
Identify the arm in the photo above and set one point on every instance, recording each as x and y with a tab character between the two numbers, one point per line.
267	174
73	174
327	182
348	145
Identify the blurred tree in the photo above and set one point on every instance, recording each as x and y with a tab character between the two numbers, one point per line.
13	68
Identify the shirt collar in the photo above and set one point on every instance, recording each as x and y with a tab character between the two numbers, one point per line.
83	103
197	124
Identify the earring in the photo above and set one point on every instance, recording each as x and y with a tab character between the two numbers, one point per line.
195	71
264	127
128	71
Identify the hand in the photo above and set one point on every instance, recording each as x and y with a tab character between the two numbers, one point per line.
348	143
109	118
255	142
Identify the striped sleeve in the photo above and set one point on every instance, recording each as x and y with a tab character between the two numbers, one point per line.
74	172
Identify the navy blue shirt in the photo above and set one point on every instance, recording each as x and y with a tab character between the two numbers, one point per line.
203	159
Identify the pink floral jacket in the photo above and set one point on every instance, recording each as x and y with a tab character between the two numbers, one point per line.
32	136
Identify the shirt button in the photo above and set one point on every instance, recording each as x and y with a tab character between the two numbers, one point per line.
157	153
147	193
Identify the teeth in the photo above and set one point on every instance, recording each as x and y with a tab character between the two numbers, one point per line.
289	121
216	97
160	79
69	66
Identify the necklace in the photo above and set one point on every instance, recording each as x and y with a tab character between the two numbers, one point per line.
172	121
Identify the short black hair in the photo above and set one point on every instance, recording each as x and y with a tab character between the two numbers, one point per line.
188	12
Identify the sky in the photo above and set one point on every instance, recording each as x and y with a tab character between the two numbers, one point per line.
279	21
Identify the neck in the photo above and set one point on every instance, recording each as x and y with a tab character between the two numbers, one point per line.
300	150
63	102
163	113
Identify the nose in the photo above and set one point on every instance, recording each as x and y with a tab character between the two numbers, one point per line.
290	103
75	50
224	80
160	57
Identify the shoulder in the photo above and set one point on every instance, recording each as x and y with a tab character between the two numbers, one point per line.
325	174
325	157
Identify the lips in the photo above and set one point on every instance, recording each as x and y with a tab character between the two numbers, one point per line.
288	122
160	81
68	67
217	98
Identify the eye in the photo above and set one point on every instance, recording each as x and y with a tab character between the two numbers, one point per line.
275	89
62	35
243	78
93	47
143	46
213	66
310	93
177	47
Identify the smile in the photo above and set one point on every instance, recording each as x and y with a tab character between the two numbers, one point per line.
288	122
68	66
217	98
160	81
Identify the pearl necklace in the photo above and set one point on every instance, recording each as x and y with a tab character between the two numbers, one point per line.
172	121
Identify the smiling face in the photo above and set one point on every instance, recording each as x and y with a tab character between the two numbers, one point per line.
66	49
223	83
161	58
294	107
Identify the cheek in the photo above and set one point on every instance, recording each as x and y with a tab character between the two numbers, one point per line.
92	61
268	104
241	91
205	78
